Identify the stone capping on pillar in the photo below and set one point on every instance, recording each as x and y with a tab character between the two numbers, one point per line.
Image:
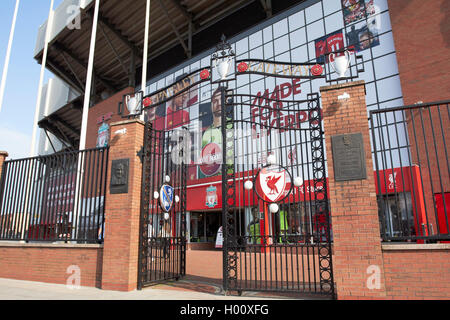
343	85
127	121
4	153
415	246
14	244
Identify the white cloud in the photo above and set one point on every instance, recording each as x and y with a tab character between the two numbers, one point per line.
16	143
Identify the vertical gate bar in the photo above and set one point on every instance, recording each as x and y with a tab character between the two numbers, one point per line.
384	198
3	181
51	223
89	187
421	178
95	194
57	198
40	198
439	170
414	199
402	174
377	170
429	171
7	178
101	199
18	211
17	191
66	190
29	202
141	245
11	207
448	167
392	167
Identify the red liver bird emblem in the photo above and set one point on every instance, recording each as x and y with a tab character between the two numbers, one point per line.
272	184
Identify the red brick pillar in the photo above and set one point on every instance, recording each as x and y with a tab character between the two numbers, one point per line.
3	155
122	211
353	204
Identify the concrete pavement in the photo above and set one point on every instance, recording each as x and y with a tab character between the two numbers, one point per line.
27	290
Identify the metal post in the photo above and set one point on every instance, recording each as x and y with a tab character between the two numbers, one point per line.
87	91
38	103
224	191
145	54
8	54
41	79
86	105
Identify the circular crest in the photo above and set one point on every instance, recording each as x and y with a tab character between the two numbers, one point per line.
271	183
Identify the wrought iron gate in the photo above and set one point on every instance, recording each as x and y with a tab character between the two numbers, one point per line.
162	239
274	189
275	211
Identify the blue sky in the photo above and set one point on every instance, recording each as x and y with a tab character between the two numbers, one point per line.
17	114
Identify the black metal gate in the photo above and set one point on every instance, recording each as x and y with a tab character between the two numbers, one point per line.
275	207
162	240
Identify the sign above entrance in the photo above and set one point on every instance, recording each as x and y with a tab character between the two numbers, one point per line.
281	69
224	68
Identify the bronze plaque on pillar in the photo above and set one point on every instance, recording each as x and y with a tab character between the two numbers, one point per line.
349	157
119	176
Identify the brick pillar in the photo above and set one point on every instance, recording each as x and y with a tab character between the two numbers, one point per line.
353	204
122	211
3	155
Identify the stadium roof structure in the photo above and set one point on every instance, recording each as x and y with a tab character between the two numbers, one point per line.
179	29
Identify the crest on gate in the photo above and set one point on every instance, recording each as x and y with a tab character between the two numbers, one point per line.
271	183
166	198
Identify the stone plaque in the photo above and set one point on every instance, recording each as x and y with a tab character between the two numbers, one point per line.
119	176
349	157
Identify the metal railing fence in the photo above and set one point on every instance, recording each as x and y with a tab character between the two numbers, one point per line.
410	152
58	197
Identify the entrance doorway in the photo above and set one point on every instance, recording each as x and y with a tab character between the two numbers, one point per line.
203	229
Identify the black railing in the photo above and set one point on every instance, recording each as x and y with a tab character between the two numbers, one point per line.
410	151
58	197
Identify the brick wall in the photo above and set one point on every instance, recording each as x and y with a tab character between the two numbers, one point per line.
49	263
422	41
422	273
101	109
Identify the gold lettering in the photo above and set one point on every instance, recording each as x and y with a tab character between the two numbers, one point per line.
306	68
260	67
287	69
297	69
